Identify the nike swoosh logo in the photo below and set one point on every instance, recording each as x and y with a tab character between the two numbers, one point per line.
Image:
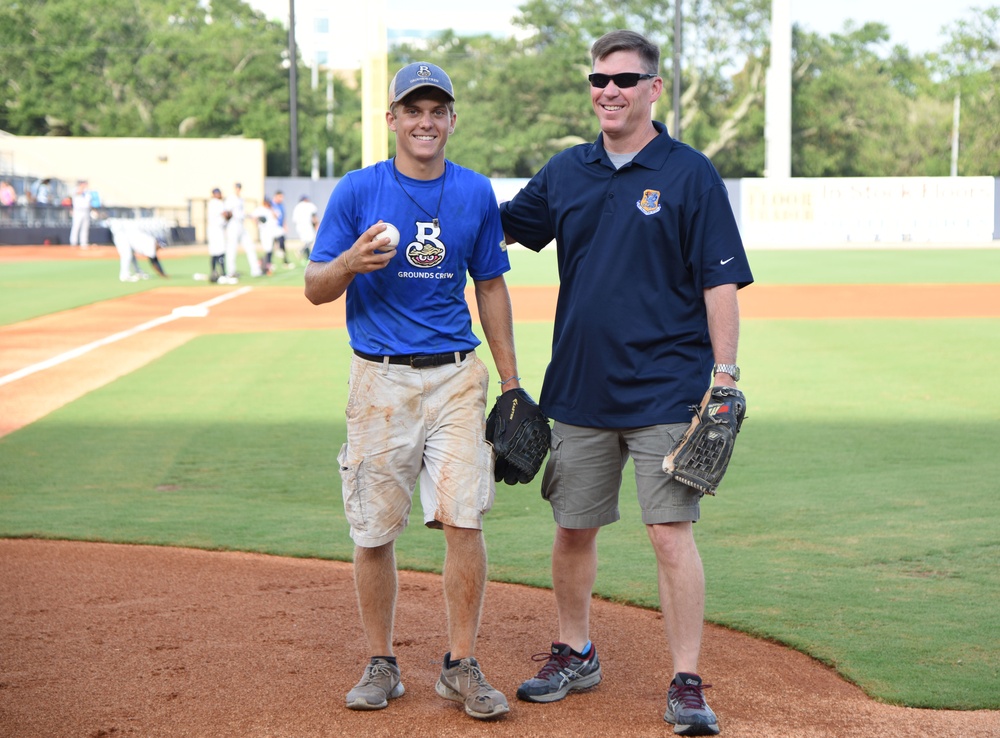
726	261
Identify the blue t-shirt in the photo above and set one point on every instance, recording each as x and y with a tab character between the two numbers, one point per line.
416	305
636	248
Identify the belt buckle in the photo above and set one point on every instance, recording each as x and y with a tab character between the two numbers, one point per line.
419	362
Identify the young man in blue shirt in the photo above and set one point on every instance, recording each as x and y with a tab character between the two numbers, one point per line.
418	389
650	260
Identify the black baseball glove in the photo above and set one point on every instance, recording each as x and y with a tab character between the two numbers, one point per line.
520	434
700	458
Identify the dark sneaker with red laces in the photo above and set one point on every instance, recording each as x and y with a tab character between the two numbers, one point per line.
687	709
565	671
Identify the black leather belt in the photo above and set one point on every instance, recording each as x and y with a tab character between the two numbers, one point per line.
417	361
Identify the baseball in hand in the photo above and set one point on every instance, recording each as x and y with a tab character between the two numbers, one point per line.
393	233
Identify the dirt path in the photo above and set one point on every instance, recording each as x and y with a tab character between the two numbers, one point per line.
99	640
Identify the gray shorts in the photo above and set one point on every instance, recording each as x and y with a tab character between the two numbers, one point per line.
583	476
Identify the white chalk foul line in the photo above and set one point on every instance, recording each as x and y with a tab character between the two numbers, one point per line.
187	311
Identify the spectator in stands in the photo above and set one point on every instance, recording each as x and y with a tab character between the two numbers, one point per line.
8	195
42	192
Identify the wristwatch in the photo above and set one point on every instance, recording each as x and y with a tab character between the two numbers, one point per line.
731	369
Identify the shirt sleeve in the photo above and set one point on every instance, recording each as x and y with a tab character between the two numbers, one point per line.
525	217
714	230
489	258
338	228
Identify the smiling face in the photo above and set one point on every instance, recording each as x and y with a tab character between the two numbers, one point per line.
422	124
625	113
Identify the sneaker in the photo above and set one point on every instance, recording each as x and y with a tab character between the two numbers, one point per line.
379	685
465	683
687	709
564	672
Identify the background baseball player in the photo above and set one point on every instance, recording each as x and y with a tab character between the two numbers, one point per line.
267	231
418	388
304	216
236	235
278	205
79	234
216	217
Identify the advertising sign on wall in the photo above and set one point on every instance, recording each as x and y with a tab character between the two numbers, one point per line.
804	212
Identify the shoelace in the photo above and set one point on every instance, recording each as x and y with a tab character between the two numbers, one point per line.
691	696
556	662
377	670
475	674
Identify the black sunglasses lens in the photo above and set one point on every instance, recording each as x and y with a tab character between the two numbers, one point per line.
623	79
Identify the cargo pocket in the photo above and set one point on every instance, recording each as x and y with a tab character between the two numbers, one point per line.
551	472
487	489
351	475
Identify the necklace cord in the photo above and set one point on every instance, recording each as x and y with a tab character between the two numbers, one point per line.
434	218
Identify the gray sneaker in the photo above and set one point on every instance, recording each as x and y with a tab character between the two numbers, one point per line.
379	685
564	672
465	683
687	709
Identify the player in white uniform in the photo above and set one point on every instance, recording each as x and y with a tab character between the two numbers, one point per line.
133	238
79	234
305	219
267	231
236	235
216	237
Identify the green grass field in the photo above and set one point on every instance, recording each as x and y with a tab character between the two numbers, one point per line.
857	523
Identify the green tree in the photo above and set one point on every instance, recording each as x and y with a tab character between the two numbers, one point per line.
856	113
528	98
143	68
970	67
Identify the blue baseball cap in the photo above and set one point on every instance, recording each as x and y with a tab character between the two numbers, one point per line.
419	74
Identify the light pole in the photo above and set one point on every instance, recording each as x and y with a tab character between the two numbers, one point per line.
677	69
293	97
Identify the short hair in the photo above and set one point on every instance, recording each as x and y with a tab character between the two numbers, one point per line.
623	40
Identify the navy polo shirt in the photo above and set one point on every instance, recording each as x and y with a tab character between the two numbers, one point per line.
636	248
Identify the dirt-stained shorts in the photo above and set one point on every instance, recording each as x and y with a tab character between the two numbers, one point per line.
404	424
583	476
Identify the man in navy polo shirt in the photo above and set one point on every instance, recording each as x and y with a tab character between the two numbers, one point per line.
650	260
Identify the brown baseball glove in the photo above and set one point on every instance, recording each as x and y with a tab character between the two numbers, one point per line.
700	458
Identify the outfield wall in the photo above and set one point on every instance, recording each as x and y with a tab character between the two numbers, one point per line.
845	212
800	212
797	212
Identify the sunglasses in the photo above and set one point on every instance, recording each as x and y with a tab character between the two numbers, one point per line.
621	80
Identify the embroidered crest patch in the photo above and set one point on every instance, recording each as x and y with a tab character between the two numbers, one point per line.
650	202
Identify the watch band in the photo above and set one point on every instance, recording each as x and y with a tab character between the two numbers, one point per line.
731	369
